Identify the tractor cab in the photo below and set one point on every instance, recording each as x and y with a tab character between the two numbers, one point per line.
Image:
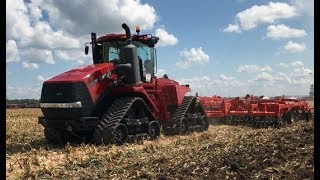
110	48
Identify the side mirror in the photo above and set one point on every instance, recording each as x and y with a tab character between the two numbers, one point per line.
152	41
86	50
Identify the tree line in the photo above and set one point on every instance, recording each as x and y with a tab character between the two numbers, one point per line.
22	103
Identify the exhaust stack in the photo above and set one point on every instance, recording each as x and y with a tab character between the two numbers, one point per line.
131	56
128	33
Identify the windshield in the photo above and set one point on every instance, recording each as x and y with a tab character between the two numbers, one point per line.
111	52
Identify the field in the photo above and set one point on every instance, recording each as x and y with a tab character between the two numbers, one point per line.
222	152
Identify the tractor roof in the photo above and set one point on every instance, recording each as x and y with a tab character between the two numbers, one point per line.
122	37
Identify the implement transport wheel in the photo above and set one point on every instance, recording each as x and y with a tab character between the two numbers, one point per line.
120	135
291	117
53	135
308	116
268	121
279	123
260	122
251	121
263	122
154	130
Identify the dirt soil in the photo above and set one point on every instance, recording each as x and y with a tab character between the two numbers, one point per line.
222	152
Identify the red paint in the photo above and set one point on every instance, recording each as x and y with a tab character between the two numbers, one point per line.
88	74
158	94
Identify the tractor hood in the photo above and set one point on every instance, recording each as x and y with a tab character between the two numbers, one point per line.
82	73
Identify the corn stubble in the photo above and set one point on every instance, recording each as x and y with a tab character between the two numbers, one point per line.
222	152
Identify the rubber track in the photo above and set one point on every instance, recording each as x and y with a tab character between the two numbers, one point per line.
115	113
180	113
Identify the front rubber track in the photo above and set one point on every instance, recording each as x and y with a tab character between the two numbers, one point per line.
113	126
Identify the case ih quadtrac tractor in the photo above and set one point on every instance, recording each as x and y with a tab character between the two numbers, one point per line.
118	99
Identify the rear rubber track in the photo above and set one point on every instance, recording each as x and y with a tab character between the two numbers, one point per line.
176	124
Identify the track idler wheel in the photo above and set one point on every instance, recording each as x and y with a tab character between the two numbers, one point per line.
154	130
120	134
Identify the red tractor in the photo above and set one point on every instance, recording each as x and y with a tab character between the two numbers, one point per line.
118	99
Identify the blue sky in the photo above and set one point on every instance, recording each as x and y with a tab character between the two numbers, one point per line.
226	48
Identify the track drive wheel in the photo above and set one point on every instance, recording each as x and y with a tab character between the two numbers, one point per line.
120	135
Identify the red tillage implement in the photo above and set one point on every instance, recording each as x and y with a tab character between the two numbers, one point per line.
256	111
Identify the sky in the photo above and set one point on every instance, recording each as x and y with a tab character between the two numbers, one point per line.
226	48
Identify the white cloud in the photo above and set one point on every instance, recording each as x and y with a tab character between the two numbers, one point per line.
34	9
302	75
106	17
12	52
302	72
41	78
282	31
160	72
304	6
46	38
74	56
292	64
165	39
293	47
232	28
297	63
196	82
252	17
194	56
304	82
30	66
68	27
282	77
264	77
17	20
222	85
253	68
38	56
225	78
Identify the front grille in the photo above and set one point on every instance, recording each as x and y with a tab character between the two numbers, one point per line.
66	93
